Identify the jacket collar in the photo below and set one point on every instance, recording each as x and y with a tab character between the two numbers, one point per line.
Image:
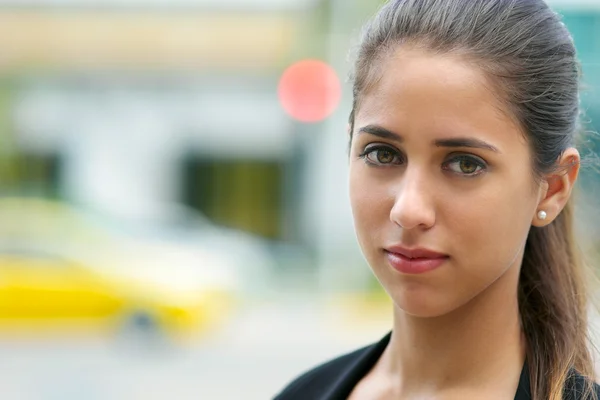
344	383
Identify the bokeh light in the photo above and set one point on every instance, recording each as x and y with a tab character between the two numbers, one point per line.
309	90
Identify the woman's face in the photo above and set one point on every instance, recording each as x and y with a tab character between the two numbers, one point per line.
441	185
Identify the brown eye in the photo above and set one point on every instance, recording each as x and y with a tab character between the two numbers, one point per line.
380	155
385	156
467	166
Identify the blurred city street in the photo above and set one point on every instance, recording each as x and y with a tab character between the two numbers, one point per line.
250	358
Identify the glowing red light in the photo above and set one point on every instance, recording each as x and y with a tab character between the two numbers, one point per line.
309	90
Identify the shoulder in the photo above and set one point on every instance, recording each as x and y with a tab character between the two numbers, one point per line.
334	377
577	385
317	381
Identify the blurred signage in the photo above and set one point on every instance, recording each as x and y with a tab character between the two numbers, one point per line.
85	40
229	4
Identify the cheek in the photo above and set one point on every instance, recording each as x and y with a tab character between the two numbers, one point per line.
491	228
370	203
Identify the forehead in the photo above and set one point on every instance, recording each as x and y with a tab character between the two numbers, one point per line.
444	95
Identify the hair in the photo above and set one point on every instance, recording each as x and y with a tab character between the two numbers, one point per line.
529	57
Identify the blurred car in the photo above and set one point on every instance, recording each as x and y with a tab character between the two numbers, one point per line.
59	265
253	258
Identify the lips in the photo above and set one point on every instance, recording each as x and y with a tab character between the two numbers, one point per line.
415	260
415	252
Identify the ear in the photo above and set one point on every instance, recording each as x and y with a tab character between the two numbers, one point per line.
557	187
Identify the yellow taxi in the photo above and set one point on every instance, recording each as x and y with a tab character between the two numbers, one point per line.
58	269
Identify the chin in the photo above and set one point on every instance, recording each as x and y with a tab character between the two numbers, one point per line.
421	305
422	312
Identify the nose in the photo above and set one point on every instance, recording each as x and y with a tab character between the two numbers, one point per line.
413	204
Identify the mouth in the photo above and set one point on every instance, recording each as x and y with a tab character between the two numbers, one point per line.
414	261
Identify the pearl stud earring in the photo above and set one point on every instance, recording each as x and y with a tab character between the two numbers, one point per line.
542	214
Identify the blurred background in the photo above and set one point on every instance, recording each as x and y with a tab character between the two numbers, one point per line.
174	220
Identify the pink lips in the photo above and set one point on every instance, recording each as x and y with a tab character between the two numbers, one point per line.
414	261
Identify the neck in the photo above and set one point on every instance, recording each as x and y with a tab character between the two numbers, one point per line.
474	346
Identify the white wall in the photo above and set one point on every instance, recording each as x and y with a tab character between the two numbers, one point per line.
122	147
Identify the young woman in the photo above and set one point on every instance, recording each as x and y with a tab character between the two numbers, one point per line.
461	169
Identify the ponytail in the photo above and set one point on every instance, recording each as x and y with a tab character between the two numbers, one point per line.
553	308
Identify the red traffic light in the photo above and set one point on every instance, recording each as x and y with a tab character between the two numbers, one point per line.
309	90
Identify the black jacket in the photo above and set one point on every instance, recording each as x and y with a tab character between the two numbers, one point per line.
336	379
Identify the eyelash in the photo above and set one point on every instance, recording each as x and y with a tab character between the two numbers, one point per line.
373	149
479	163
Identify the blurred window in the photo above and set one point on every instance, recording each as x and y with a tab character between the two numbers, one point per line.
243	194
27	173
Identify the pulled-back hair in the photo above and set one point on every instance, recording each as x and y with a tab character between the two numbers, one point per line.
529	57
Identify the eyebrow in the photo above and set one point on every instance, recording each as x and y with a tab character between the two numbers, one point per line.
470	142
381	132
466	142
